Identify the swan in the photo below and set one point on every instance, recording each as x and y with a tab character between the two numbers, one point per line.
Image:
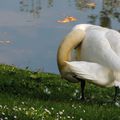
97	56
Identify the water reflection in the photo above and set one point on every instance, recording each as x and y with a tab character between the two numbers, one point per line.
50	3
110	9
32	6
80	4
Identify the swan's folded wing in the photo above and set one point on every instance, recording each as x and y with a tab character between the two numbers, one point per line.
99	47
89	71
114	40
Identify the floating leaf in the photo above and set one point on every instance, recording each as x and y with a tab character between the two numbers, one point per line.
67	19
91	5
5	41
63	21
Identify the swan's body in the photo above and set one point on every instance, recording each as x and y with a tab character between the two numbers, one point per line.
97	58
92	72
101	45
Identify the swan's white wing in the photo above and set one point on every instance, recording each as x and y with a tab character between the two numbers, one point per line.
114	39
97	48
93	72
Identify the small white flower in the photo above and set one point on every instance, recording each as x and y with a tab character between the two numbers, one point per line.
60	112
3	113
73	117
6	118
15	106
26	112
64	118
47	91
57	119
52	108
79	106
73	105
117	104
47	111
0	106
74	94
59	89
81	118
68	117
23	103
77	91
63	110
20	109
57	115
5	106
15	117
32	108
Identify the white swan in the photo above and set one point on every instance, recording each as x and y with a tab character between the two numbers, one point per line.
97	56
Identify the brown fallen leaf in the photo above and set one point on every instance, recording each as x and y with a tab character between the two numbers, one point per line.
71	18
63	21
67	19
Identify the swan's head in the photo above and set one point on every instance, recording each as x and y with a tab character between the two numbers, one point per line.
67	74
70	77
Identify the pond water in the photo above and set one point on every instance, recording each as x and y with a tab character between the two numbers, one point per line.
30	33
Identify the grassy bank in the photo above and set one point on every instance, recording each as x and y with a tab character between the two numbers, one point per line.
27	95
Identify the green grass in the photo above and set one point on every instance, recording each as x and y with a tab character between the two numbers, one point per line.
27	95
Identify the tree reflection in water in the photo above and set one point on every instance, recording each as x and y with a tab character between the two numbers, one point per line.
110	9
50	3
32	6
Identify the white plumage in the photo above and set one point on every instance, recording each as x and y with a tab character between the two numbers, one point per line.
92	72
98	55
100	52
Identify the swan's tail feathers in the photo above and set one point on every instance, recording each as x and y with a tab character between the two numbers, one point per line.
89	71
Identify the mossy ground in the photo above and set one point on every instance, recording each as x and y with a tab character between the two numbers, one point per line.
27	95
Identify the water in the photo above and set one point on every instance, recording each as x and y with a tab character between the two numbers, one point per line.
30	33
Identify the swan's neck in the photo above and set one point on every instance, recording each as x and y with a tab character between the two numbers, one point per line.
71	41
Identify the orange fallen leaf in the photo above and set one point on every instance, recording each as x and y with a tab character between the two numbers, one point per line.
63	21
91	5
67	19
71	18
